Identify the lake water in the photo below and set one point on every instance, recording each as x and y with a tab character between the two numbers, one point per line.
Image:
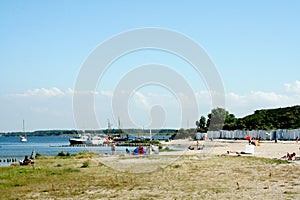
12	148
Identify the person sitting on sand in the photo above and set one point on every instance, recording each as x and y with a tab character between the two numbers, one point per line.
232	152
235	152
201	148
285	156
288	156
191	148
26	161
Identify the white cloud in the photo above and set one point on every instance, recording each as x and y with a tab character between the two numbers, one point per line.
83	92
70	91
52	92
293	87
106	93
242	105
142	99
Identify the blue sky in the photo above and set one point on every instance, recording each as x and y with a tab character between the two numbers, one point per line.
254	45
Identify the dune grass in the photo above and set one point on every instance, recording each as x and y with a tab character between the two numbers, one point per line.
84	176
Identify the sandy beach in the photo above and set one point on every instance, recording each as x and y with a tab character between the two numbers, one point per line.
209	149
266	149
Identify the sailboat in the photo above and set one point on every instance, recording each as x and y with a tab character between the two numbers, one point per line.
23	138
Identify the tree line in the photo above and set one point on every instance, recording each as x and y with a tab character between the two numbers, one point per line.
113	132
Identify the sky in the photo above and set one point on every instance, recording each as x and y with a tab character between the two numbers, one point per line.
254	46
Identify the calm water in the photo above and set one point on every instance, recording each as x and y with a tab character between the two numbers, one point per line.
12	148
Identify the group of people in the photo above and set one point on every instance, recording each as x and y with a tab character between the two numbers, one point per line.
140	150
198	146
195	148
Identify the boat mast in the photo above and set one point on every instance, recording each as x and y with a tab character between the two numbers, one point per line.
24	127
108	127
119	123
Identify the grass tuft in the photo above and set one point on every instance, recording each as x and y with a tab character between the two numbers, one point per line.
85	164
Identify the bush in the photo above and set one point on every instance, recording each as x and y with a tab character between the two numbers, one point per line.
85	164
63	154
37	155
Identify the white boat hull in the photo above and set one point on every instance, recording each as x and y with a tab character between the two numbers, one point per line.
23	139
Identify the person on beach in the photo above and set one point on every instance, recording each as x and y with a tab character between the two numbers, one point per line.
288	156
191	148
113	149
26	161
141	150
33	154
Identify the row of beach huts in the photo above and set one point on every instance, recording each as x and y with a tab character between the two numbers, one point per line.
280	134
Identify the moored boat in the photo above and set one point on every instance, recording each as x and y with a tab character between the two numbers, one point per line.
96	140
78	140
88	139
23	138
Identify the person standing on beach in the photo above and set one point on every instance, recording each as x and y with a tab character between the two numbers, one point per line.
33	154
113	149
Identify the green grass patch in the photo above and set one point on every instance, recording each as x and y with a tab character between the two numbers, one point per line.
258	160
166	149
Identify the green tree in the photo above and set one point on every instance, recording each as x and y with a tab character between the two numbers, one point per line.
216	119
201	124
230	122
